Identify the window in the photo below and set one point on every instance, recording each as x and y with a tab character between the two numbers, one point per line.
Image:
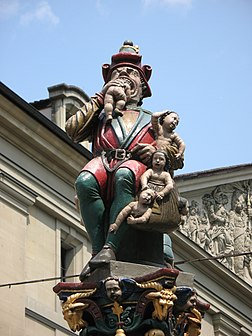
67	259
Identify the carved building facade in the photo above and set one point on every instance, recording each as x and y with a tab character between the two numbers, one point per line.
41	235
220	218
218	224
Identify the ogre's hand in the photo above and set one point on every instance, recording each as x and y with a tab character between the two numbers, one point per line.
143	152
115	86
115	82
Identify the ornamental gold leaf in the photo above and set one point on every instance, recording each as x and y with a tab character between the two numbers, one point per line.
117	309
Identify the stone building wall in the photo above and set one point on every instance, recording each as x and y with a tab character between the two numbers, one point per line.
40	230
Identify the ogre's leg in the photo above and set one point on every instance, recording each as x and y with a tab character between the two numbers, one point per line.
130	244
92	209
124	193
124	190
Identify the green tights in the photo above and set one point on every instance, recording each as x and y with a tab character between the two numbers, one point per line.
94	214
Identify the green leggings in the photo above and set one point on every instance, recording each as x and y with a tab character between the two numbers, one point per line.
94	214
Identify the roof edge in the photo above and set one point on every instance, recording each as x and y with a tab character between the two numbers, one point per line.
214	171
35	114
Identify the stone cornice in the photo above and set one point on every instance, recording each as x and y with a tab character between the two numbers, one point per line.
27	108
40	142
21	190
16	194
213	177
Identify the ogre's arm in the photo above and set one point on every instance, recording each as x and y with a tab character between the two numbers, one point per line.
81	124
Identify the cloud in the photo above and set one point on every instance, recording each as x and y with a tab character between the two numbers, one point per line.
8	8
42	13
171	3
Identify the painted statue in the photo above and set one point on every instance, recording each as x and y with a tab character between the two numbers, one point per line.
164	124
136	212
116	98
157	177
123	142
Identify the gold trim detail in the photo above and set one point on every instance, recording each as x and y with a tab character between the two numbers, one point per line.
193	320
163	302
72	310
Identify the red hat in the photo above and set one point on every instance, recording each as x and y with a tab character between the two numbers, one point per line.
129	56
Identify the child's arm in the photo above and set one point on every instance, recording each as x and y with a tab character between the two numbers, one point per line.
157	128
144	179
168	186
181	145
123	214
140	220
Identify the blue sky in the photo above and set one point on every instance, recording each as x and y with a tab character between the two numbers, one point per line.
200	52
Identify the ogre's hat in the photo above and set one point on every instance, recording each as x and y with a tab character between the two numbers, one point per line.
129	56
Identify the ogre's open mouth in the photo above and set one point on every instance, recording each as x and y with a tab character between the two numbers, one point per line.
130	82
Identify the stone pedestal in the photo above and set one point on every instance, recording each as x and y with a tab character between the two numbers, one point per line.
130	270
146	301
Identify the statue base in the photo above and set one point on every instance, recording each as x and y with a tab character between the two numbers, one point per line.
121	269
134	300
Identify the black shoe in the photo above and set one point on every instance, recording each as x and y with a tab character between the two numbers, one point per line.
85	272
102	258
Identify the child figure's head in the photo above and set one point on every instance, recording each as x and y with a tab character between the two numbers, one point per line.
147	196
192	211
169	120
160	160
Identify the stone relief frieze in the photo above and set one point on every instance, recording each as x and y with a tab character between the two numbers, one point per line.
220	221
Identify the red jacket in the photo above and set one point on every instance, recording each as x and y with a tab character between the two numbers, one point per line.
113	136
